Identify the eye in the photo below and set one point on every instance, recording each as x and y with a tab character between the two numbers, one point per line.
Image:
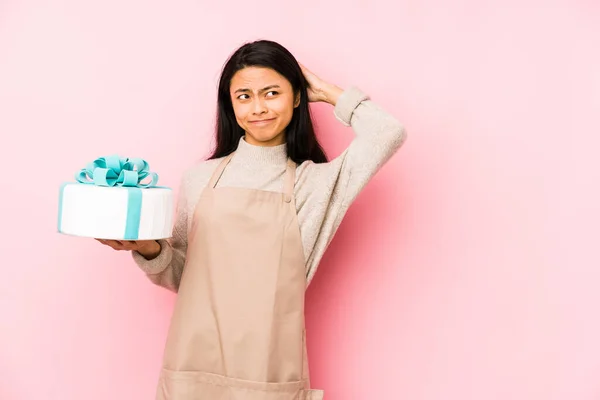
275	93
240	97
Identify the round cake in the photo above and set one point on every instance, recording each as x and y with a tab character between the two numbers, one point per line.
117	212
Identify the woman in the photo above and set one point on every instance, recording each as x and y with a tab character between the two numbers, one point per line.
253	222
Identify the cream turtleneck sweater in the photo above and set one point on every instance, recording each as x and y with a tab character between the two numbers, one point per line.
323	192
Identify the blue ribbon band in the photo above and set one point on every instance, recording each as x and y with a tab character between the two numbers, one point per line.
134	210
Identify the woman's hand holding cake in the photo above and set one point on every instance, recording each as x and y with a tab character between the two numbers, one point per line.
147	248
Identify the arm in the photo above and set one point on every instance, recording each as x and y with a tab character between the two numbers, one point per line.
378	134
324	192
378	137
164	268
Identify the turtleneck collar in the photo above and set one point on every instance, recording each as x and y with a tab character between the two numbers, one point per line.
247	152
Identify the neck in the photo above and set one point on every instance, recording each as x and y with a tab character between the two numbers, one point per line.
276	141
261	154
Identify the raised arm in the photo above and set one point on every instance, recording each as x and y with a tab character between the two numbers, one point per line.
324	192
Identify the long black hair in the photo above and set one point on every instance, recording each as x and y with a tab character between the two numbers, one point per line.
301	141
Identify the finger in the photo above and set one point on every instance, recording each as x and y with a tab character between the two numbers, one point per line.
304	70
105	242
136	244
119	244
129	244
115	244
308	73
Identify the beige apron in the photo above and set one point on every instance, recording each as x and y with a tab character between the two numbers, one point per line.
237	331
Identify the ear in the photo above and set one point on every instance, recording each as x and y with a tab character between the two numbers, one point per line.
297	100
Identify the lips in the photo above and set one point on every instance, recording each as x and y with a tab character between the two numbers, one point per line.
262	121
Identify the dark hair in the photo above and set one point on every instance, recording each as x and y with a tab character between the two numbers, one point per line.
301	141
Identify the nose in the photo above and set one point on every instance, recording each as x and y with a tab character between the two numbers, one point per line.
259	106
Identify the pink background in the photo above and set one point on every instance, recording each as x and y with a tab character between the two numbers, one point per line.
468	269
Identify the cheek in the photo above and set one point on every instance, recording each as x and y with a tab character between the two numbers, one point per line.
284	108
240	112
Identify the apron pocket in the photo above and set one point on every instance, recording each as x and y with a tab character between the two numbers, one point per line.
312	394
197	385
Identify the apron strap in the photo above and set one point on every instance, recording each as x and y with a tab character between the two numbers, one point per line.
219	171
290	180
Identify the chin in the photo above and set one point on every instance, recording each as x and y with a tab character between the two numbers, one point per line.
265	138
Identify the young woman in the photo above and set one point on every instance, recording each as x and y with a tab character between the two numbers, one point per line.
253	222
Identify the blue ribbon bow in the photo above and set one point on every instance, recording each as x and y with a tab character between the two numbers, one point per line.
117	171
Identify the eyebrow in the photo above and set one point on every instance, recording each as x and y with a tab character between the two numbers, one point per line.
244	90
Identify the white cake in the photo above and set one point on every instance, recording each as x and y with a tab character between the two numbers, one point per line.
118	212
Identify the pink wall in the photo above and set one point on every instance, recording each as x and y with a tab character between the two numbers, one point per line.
468	269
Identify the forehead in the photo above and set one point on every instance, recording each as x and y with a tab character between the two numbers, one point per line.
255	78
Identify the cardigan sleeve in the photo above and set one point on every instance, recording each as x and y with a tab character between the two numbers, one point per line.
326	191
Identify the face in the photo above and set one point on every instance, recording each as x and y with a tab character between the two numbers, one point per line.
263	103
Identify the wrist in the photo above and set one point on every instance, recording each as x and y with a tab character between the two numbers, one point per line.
150	251
331	93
